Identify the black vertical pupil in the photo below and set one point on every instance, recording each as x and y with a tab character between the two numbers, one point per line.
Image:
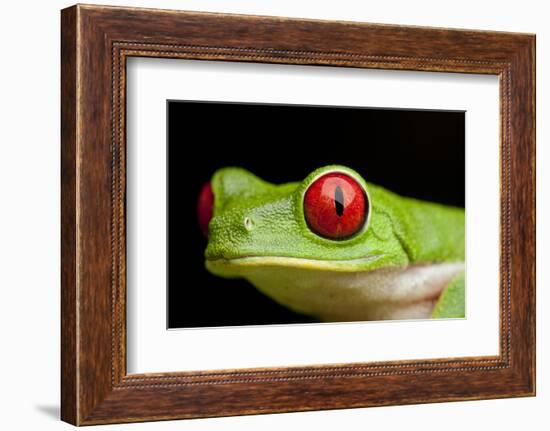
339	201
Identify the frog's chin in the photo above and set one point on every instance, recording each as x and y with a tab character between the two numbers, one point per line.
355	290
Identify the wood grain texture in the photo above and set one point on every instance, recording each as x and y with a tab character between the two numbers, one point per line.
96	41
69	397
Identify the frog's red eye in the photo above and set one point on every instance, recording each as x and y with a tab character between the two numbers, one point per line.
205	207
335	206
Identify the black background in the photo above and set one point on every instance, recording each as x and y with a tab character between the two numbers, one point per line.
415	153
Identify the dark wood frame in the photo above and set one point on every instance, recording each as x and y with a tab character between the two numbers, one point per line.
95	43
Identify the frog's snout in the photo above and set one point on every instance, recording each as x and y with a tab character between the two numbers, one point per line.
230	233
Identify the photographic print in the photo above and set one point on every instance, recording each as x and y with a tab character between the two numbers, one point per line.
318	215
304	214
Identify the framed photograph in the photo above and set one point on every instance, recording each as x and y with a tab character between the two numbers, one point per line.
264	214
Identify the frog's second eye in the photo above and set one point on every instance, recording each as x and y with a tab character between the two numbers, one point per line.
205	207
335	206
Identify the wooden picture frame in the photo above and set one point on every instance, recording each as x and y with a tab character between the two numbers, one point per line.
95	43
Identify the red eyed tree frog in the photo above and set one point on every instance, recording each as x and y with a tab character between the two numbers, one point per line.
335	246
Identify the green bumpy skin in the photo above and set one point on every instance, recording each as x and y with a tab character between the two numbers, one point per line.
258	231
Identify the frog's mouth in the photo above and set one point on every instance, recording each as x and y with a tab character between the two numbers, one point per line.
228	267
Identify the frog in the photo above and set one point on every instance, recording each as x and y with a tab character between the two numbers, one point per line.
334	246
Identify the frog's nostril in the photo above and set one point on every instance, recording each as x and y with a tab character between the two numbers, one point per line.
248	224
205	207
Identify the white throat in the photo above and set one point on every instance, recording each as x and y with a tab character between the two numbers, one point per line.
383	294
